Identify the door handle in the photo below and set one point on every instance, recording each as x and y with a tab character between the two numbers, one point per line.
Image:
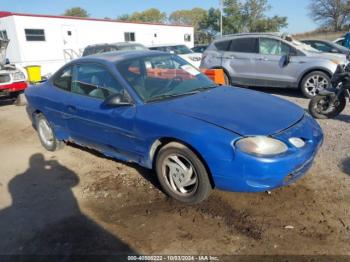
72	109
263	59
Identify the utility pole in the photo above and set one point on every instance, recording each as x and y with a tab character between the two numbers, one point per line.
221	2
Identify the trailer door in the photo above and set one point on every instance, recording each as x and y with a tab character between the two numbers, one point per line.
69	36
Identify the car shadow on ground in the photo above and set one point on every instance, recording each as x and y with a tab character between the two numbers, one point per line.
345	166
45	218
343	118
147	174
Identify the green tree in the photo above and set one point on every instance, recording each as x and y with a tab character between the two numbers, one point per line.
232	17
209	27
76	11
272	24
193	17
152	15
124	17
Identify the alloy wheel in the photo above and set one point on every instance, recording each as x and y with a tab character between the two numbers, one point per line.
315	83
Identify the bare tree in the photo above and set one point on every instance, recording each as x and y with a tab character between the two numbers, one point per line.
330	13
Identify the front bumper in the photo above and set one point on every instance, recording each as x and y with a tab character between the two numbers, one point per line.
247	173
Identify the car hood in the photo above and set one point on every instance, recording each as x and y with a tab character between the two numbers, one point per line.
241	111
330	56
3	47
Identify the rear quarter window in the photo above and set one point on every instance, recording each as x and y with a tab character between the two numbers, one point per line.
64	79
222	45
244	45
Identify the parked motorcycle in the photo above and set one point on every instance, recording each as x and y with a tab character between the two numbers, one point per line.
329	103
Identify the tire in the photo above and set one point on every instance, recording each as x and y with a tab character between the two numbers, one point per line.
46	134
21	100
314	82
227	79
192	189
316	111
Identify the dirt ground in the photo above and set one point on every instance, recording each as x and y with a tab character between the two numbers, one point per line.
76	201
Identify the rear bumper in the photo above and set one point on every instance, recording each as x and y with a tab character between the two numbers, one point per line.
7	89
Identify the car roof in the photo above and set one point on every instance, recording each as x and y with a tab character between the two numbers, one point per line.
226	37
165	45
119	56
114	44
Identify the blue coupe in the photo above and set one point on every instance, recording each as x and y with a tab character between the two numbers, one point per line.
160	112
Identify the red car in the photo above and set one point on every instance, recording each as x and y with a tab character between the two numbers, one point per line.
12	80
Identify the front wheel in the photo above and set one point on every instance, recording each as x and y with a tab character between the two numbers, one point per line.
46	134
182	174
321	107
314	82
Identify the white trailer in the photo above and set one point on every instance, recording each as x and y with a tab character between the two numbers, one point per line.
51	41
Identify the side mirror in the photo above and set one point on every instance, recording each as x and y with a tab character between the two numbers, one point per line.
284	61
116	100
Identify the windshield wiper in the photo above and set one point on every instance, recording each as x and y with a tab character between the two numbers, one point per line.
164	96
206	88
192	92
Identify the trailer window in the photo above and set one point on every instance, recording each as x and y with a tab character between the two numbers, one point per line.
187	38
35	34
3	34
129	37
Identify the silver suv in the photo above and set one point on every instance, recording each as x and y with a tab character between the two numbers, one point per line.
269	60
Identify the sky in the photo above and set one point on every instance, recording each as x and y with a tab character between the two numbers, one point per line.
295	10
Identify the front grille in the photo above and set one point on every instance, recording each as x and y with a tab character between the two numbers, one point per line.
5	78
298	172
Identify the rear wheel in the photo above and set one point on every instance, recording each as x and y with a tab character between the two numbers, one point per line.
314	82
20	99
226	79
320	107
182	174
46	134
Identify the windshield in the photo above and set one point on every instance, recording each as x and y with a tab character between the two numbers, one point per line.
132	47
180	49
340	47
304	47
162	77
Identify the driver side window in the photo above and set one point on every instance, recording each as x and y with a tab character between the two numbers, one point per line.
94	81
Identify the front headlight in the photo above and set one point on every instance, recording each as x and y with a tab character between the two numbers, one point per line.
261	146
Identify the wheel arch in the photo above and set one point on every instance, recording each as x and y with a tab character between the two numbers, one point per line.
35	113
161	142
324	70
